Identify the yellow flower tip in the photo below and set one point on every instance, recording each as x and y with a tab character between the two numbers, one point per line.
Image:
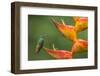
63	22
55	22
54	47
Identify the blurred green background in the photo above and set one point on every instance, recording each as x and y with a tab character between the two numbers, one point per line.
42	25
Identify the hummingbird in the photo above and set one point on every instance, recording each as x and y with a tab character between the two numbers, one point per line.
39	44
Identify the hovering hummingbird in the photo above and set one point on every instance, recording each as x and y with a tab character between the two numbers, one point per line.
40	44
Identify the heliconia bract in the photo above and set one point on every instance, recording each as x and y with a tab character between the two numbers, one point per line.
81	23
59	54
67	31
80	46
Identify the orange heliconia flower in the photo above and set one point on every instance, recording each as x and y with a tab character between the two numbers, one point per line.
79	46
81	23
59	54
67	31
